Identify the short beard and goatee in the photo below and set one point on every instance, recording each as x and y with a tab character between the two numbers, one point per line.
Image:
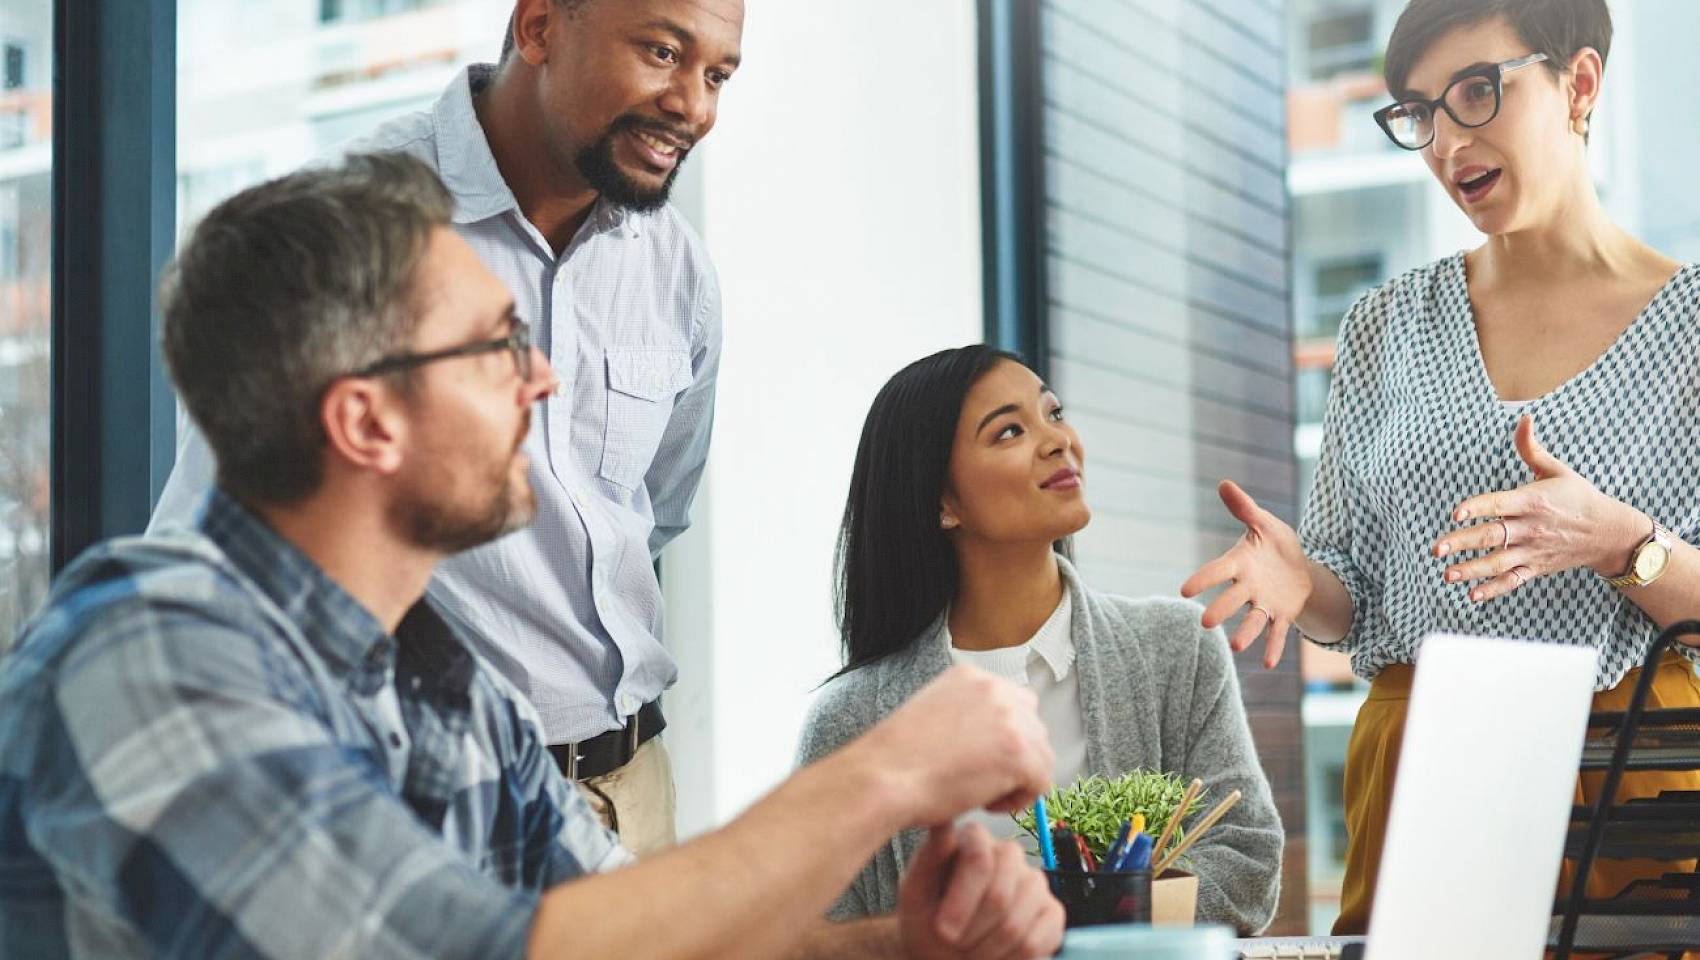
596	165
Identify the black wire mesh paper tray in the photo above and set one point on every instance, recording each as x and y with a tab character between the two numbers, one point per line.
1666	827
1649	915
1656	915
1664	740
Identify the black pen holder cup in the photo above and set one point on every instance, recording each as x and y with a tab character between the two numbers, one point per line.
1100	897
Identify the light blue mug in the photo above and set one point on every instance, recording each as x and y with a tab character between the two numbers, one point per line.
1140	942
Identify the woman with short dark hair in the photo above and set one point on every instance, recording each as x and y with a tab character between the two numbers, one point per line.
967	482
1436	507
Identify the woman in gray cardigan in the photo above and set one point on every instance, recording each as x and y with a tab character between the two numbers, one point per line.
967	483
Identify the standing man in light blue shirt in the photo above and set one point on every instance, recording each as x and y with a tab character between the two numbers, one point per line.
560	159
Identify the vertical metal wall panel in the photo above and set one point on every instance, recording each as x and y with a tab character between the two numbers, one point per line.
1167	317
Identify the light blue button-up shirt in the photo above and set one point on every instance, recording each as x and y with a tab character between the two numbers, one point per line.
569	609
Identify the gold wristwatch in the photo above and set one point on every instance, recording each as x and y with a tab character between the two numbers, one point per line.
1649	561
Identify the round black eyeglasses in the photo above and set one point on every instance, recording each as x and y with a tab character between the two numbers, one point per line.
1471	100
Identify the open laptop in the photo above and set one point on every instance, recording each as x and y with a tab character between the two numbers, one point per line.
1487	776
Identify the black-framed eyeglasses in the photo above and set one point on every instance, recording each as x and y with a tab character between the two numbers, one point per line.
1471	100
517	342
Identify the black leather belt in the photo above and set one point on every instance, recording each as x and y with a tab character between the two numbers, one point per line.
603	754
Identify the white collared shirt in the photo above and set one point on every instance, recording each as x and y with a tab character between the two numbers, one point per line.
1045	663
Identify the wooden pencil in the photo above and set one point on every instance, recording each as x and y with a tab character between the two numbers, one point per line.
1198	831
1175	821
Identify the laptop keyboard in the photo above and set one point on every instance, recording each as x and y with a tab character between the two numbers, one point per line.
1301	948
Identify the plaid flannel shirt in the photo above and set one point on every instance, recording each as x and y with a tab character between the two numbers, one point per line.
209	749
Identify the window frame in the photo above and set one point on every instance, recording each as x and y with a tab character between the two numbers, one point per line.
114	220
1012	179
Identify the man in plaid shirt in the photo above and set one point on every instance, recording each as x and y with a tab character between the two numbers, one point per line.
253	739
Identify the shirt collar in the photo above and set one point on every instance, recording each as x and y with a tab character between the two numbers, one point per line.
351	641
464	160
1054	643
469	170
614	219
433	661
335	625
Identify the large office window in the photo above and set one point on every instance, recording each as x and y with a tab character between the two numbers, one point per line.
264	86
26	131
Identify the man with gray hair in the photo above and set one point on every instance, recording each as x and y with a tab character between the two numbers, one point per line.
254	739
560	160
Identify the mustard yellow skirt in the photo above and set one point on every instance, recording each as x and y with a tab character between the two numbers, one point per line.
1372	756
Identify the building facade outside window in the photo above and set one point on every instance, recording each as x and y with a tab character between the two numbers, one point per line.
331	11
1339	40
267	85
26	238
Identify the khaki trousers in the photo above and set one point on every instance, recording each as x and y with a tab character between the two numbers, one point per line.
637	800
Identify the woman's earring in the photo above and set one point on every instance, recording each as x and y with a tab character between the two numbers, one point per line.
948	522
1580	125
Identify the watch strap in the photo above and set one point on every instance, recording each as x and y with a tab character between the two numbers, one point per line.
1630	578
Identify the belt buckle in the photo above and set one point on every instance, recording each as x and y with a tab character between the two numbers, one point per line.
632	735
573	757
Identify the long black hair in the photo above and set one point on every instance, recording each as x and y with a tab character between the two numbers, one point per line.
895	570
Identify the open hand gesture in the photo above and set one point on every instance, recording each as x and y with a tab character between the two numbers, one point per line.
1266	570
1559	522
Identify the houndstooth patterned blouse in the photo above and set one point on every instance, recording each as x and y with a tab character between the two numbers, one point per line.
1414	427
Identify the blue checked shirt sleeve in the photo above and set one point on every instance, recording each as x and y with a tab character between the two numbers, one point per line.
676	472
577	837
203	798
564	839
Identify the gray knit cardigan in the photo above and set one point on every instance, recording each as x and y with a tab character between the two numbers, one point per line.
1157	691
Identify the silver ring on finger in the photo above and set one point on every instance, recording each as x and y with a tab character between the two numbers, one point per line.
1260	608
1517	572
1505	534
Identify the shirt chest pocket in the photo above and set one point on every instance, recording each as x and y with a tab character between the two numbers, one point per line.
642	383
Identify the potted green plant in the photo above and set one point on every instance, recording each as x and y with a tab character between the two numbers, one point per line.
1094	807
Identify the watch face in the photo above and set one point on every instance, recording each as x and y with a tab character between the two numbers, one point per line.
1651	560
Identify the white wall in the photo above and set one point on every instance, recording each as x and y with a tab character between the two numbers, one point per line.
839	196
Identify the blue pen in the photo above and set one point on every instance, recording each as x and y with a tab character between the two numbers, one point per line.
1043	825
1138	856
1124	862
1113	855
